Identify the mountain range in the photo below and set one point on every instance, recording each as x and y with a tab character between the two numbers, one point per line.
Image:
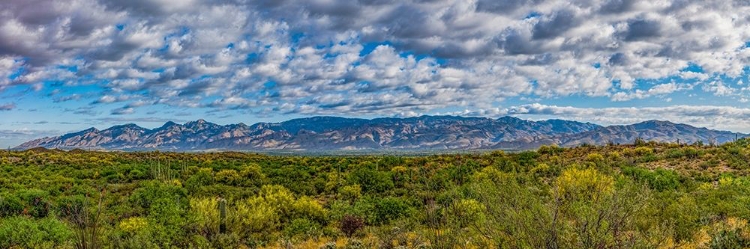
346	134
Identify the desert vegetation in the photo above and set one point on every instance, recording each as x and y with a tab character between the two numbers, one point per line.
649	195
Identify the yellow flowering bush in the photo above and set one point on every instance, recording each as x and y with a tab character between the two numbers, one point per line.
133	224
584	183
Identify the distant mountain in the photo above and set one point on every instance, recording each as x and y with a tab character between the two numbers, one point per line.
660	131
335	133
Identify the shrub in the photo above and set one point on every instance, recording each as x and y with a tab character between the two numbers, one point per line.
675	153
585	183
351	192
306	207
549	149
659	179
350	224
372	181
205	215
354	244
228	177
10	205
464	212
390	208
133	225
527	158
254	216
595	158
329	245
203	177
252	176
302	228
644	151
36	202
24	232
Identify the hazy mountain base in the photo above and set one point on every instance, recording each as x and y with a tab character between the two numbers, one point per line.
645	196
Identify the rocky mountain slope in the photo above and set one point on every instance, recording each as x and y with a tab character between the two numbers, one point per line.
334	133
660	131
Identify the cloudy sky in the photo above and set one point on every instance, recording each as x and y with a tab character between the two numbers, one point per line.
71	64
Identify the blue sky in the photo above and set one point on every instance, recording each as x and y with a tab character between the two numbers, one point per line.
72	64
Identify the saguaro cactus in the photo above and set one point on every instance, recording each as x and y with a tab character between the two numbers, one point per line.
222	215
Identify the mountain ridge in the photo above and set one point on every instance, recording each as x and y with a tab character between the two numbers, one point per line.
329	133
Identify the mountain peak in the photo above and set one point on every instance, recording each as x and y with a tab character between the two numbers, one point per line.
200	123
128	125
653	123
169	124
508	118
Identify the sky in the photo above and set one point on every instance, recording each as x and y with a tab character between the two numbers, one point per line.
67	65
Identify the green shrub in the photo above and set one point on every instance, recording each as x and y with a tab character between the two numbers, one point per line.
24	232
10	205
36	203
390	208
372	181
302	229
659	179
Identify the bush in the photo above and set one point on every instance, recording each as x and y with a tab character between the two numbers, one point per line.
354	244
675	153
595	158
133	225
372	181
351	192
10	205
23	232
644	151
350	224
151	191
585	184
527	158
252	176
306	207
390	208
165	206
329	245
205	215
228	177
659	179
227	241
203	177
36	202
303	229
464	212
549	149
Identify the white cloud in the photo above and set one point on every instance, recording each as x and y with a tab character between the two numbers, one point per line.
432	54
715	117
719	89
657	90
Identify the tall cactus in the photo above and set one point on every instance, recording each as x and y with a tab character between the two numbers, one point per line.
222	215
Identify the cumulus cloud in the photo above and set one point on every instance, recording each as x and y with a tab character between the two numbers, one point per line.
657	90
719	117
7	107
12	138
113	119
371	57
123	111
